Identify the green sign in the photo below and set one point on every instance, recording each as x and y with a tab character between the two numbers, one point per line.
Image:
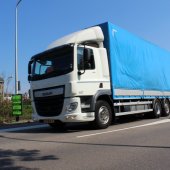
17	105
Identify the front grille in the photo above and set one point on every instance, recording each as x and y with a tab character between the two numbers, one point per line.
49	101
49	106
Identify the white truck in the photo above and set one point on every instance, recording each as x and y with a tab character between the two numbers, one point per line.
96	74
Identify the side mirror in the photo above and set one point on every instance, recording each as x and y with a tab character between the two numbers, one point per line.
87	54
29	70
29	67
85	58
29	78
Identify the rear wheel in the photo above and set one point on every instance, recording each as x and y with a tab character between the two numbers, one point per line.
157	109
165	107
103	115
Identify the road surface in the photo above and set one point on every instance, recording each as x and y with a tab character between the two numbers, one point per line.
135	144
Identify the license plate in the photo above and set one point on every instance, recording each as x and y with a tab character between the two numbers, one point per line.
49	121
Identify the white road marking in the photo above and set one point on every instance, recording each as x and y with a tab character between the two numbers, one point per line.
88	135
23	128
133	127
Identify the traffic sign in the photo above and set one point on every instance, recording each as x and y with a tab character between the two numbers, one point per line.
17	104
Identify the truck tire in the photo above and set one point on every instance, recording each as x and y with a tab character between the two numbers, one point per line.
103	115
157	109
165	107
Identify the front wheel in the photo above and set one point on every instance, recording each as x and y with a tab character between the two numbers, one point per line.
103	115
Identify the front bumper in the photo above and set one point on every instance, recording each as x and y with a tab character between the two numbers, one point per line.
67	116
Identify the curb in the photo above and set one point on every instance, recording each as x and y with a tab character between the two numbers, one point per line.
18	124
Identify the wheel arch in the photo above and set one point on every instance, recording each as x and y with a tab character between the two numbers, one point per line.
102	95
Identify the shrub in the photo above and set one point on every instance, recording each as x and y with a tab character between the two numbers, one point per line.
6	111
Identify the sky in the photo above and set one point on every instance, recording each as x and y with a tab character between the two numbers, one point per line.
40	22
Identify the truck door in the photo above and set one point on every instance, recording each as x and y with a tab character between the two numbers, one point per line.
88	77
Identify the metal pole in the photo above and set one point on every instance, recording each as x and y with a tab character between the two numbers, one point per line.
16	51
16	47
7	84
3	91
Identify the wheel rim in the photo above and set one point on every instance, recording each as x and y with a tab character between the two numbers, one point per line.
166	107
104	115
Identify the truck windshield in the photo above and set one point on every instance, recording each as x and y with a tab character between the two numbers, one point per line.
55	62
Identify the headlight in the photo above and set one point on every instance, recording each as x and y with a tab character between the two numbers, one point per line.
72	107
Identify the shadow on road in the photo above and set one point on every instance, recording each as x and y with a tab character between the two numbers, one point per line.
8	157
78	127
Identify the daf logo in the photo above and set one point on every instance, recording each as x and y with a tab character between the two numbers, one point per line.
47	94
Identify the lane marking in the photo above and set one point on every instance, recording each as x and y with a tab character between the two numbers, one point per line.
132	127
23	128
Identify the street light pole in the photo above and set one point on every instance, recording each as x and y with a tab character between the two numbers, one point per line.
7	84
16	47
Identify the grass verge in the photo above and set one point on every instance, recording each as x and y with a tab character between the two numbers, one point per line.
6	111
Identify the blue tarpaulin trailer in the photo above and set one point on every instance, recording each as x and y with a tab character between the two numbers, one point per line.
136	65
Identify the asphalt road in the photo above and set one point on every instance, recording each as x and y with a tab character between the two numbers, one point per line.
138	144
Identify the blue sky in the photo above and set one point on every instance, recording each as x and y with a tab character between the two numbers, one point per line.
40	22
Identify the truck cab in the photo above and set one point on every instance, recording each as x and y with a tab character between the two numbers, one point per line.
68	77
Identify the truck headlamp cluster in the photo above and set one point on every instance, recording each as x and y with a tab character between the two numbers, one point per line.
72	107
